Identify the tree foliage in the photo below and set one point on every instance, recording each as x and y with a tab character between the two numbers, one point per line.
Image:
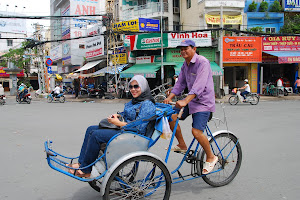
257	29
291	25
18	57
252	7
263	6
276	7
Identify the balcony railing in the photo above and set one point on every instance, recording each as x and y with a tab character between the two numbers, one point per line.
149	9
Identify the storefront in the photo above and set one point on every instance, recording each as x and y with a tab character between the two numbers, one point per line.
241	56
6	81
280	59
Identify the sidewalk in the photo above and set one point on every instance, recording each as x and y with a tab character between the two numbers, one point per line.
85	99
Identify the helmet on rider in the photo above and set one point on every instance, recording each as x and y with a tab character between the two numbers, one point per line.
246	80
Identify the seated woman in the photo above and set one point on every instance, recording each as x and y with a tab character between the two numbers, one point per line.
95	136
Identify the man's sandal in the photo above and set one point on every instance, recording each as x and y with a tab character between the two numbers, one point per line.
209	166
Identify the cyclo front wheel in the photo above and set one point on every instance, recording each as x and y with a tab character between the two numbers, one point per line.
141	177
227	166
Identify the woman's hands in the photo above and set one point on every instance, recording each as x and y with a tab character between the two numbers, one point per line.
115	120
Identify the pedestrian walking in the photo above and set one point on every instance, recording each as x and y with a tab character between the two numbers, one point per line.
297	84
76	87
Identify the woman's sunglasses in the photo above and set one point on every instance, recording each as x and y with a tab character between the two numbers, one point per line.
133	86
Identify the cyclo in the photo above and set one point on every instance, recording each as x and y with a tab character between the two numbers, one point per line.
126	170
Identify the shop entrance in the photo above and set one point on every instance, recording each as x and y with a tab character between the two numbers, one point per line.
271	72
235	76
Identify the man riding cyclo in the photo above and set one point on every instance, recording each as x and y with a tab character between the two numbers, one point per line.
196	76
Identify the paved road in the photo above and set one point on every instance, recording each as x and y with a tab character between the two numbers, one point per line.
268	133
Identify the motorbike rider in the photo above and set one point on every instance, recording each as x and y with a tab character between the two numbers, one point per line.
56	91
246	89
22	91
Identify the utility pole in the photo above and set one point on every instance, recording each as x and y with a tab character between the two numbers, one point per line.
111	39
221	48
161	43
41	58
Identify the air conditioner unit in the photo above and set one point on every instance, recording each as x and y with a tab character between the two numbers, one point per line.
176	10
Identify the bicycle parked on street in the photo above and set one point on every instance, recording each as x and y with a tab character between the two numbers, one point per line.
126	170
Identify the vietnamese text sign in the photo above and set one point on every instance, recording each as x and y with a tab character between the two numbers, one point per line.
132	25
201	39
281	43
94	46
120	58
140	24
242	49
227	19
292	5
12	25
56	52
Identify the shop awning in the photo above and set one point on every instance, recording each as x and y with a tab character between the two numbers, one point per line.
89	65
285	56
216	69
147	70
110	70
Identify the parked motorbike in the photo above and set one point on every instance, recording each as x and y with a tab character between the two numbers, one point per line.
26	98
83	91
2	99
236	98
97	92
60	97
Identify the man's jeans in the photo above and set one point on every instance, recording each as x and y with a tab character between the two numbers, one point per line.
93	139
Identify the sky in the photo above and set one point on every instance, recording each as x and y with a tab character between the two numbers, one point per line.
32	8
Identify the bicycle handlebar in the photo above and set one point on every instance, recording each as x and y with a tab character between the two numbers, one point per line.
181	110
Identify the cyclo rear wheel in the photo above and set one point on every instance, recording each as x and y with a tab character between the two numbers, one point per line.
225	169
150	180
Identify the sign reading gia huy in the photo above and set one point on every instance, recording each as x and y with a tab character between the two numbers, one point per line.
149	41
242	49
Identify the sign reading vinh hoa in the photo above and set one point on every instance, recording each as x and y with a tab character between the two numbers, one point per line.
202	39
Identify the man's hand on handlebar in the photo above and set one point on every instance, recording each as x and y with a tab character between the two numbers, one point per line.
167	100
181	103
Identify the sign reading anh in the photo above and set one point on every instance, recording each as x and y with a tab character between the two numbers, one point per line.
242	49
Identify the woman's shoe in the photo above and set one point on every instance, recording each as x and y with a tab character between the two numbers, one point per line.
81	174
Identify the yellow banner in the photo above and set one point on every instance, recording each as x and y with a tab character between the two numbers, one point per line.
227	19
120	58
132	25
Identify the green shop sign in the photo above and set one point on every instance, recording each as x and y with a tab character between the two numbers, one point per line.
150	41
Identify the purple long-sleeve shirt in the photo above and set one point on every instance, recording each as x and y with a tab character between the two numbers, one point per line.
197	77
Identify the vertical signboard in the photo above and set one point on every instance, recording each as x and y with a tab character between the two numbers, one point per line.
242	49
94	46
80	25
